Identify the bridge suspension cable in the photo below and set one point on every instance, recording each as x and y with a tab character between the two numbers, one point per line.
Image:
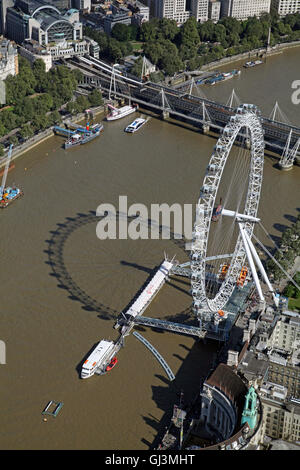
233	101
278	115
194	86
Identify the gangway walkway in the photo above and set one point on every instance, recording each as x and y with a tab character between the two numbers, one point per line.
63	131
171	326
156	354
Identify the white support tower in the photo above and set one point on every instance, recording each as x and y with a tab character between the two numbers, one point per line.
289	154
112	86
233	100
278	115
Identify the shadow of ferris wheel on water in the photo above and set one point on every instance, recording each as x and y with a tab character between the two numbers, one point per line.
55	252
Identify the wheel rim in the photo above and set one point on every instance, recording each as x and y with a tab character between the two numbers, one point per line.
246	117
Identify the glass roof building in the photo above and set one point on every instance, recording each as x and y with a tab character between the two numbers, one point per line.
42	22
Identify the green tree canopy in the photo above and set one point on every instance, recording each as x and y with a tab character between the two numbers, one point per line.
121	32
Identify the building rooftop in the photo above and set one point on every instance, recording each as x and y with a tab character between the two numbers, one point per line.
254	365
279	444
228	382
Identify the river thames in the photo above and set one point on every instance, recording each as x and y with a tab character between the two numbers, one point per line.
62	288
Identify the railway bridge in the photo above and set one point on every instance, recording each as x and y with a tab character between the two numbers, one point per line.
210	116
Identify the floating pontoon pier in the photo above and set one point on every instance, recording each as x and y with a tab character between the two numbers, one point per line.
57	407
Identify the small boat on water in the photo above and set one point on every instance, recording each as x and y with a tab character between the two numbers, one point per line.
10	194
118	113
222	76
135	125
112	364
253	63
83	135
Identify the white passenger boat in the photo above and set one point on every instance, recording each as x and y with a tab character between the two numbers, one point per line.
118	113
135	125
253	63
99	357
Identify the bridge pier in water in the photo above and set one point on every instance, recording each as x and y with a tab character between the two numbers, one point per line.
165	115
286	167
205	128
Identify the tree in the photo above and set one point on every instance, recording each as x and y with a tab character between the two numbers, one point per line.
170	61
153	51
55	117
133	32
114	50
254	30
13	140
1	150
219	33
3	130
289	291
82	103
126	48
95	98
121	32
43	103
78	75
149	30
206	30
40	122
232	25
137	68
70	107
189	35
168	28
26	131
233	39
40	74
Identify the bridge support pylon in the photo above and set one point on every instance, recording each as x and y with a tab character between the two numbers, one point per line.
286	167
165	115
205	128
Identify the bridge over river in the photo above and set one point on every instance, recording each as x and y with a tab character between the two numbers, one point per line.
281	138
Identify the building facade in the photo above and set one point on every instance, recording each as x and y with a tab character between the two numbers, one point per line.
226	421
110	21
83	6
32	51
4	5
243	9
199	9
286	334
281	416
214	10
173	10
44	23
9	64
286	7
35	24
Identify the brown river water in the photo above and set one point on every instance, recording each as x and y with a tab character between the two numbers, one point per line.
62	288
